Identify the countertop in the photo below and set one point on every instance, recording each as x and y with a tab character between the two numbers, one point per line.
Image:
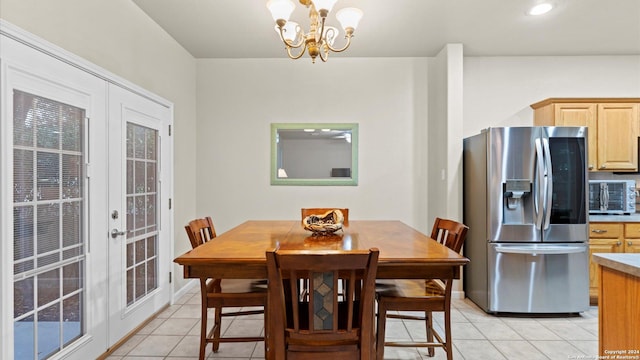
635	217
626	263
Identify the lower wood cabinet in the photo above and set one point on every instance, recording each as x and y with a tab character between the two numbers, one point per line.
618	313
610	238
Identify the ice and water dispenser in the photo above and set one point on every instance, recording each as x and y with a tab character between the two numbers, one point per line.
517	201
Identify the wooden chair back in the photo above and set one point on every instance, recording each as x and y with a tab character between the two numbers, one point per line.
425	296
449	233
243	294
319	211
320	326
200	231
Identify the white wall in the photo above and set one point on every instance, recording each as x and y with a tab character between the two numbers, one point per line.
239	99
117	36
499	90
445	144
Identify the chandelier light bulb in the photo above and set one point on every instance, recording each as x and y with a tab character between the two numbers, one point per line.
324	4
349	17
280	9
540	9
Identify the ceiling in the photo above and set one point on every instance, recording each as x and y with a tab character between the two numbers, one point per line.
410	28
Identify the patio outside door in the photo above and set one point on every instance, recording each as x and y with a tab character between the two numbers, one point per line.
76	149
53	264
139	222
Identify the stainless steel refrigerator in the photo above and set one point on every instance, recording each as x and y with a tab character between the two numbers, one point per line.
525	202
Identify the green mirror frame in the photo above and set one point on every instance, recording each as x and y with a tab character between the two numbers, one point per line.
338	181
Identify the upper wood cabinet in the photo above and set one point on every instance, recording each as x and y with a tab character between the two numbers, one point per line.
613	128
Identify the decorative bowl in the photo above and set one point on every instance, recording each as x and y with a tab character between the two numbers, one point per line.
326	223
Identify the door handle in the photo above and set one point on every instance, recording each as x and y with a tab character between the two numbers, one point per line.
115	233
598	231
549	183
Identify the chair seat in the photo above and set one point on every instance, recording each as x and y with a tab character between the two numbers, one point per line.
238	286
410	288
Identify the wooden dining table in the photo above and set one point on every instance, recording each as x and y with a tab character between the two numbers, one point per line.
405	253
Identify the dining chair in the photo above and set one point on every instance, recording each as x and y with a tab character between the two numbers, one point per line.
426	295
322	326
219	294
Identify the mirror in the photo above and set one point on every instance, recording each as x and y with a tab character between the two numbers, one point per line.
314	154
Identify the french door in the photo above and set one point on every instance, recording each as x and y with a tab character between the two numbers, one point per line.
73	148
52	270
139	221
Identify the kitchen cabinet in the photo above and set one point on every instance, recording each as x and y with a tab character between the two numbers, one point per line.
632	238
603	238
613	128
618	311
610	238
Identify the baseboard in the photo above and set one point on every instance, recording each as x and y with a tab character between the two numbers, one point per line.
184	290
457	294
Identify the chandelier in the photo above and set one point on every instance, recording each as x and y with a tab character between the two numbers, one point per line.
320	38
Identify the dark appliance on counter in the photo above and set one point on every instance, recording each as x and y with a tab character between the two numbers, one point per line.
525	202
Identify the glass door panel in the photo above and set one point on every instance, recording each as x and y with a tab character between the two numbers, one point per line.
48	220
568	205
142	200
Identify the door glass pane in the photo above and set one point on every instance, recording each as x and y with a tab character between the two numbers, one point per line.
142	198
568	169
48	239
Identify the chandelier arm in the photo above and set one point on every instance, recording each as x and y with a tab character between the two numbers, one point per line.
319	37
324	57
348	37
294	57
288	42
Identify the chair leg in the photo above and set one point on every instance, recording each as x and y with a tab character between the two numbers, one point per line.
428	316
447	332
203	333
216	329
382	323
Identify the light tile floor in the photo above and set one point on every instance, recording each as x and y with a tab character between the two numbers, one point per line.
174	335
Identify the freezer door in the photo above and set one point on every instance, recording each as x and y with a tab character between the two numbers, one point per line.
538	278
513	186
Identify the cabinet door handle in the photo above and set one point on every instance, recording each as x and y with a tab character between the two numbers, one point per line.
629	243
619	243
599	231
590	166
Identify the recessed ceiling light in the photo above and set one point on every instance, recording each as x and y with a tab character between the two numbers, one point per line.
540	9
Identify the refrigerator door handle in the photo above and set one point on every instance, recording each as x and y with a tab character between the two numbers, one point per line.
544	250
549	183
539	201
